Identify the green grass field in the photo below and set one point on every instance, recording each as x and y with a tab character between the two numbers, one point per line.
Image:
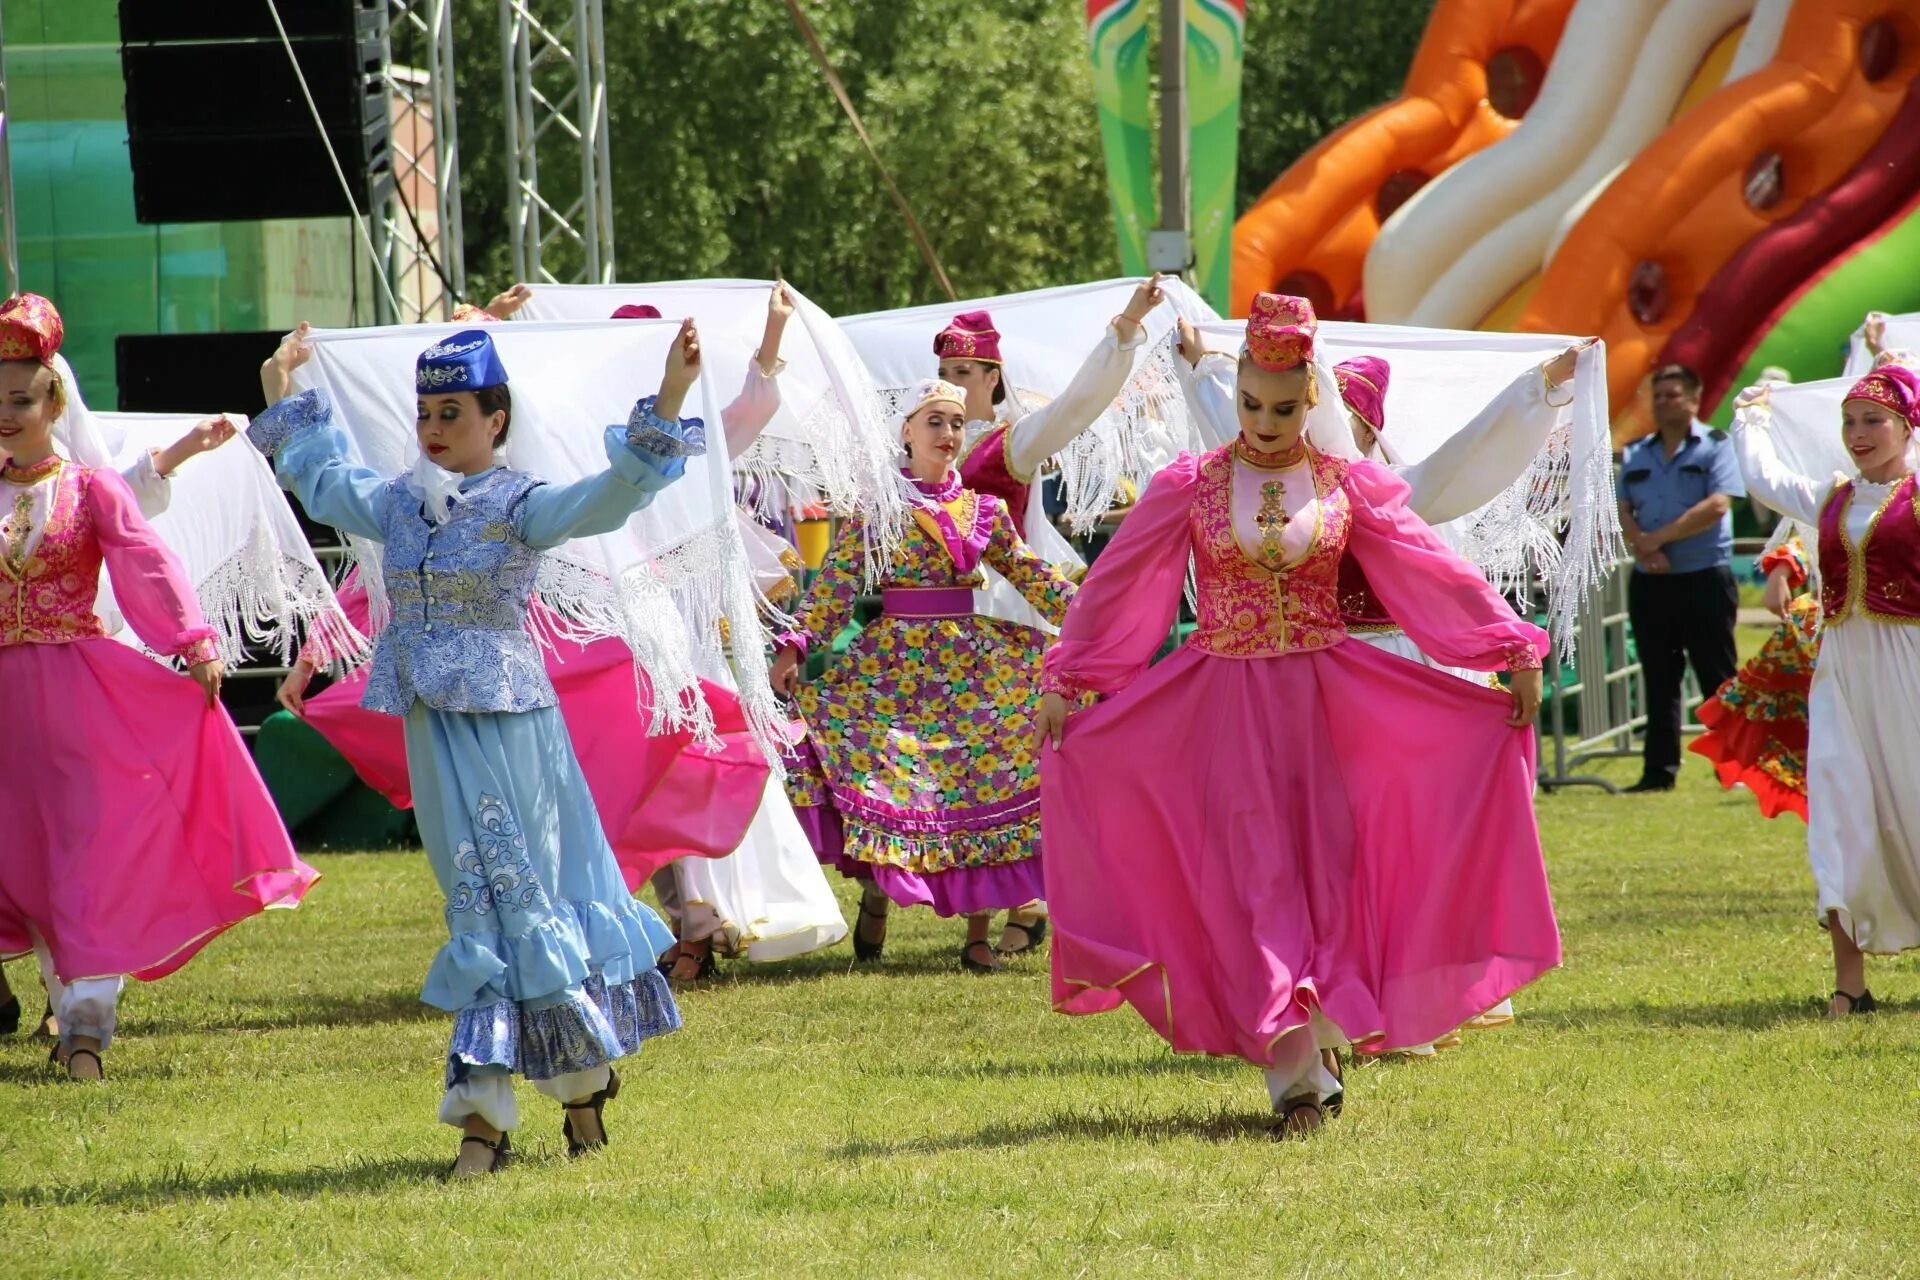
1668	1105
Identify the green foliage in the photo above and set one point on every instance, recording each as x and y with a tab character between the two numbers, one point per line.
1313	65
731	157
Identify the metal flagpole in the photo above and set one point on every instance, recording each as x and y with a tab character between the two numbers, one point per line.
1170	247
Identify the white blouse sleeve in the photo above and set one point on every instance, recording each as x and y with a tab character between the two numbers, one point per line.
1049	429
1209	387
1767	477
1477	463
151	490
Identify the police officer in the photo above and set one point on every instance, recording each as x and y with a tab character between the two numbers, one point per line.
1676	492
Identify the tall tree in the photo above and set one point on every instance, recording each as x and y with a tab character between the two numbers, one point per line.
731	157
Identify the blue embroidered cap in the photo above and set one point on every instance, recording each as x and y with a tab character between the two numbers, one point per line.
465	361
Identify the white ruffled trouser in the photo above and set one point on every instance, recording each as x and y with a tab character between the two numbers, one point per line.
487	1092
86	1006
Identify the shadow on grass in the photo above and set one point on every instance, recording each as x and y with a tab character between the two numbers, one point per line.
1218	1127
178	1184
1739	1015
318	1009
1078	1064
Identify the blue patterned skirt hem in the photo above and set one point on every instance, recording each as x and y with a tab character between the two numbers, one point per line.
586	1028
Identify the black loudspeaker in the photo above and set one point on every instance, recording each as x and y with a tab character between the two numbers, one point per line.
216	123
192	372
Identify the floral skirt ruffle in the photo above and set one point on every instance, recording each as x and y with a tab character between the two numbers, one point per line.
1757	723
919	744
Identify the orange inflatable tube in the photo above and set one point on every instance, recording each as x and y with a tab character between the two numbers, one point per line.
1746	158
1310	231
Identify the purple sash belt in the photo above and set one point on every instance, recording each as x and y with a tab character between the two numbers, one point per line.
926	602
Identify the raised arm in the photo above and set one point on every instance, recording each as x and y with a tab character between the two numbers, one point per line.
1209	386
1443	602
1120	617
1049	429
302	439
149	584
759	397
1045	587
151	488
645	456
1477	463
1767	476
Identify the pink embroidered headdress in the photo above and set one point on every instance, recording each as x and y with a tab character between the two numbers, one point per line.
1892	386
1363	385
30	329
1280	331
969	336
636	311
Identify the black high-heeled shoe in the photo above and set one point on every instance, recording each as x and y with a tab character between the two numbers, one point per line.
596	1103
864	951
10	1016
502	1152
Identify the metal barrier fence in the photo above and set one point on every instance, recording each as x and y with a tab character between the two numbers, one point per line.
1598	714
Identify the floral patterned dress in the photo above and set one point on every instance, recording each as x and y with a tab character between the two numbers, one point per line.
1757	723
918	769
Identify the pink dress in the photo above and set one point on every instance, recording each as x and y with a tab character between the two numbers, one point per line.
660	796
1272	821
136	826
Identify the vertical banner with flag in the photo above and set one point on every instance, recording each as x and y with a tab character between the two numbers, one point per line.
1216	45
1117	33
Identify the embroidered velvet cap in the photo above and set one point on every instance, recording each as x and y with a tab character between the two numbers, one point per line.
937	391
1363	385
1892	386
631	311
30	329
1280	331
969	336
465	361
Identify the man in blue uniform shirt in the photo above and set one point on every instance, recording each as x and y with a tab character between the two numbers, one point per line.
1676	492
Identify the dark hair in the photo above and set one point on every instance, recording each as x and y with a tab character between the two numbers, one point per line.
1679	373
999	383
496	400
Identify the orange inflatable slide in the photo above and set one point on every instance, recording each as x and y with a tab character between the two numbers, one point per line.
1773	169
1478	69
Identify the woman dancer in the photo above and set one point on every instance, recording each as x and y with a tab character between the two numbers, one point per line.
1243	842
1756	724
919	772
140	828
1863	710
549	968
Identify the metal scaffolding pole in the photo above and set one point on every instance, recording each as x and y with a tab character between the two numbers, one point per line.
554	64
11	245
421	237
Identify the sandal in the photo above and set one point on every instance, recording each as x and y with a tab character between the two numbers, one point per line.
595	1103
1862	1003
1338	1098
1290	1129
971	965
864	951
502	1152
49	1027
74	1056
1036	931
702	970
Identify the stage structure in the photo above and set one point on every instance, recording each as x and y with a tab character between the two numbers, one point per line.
554	64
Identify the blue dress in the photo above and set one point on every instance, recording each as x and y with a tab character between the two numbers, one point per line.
549	962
